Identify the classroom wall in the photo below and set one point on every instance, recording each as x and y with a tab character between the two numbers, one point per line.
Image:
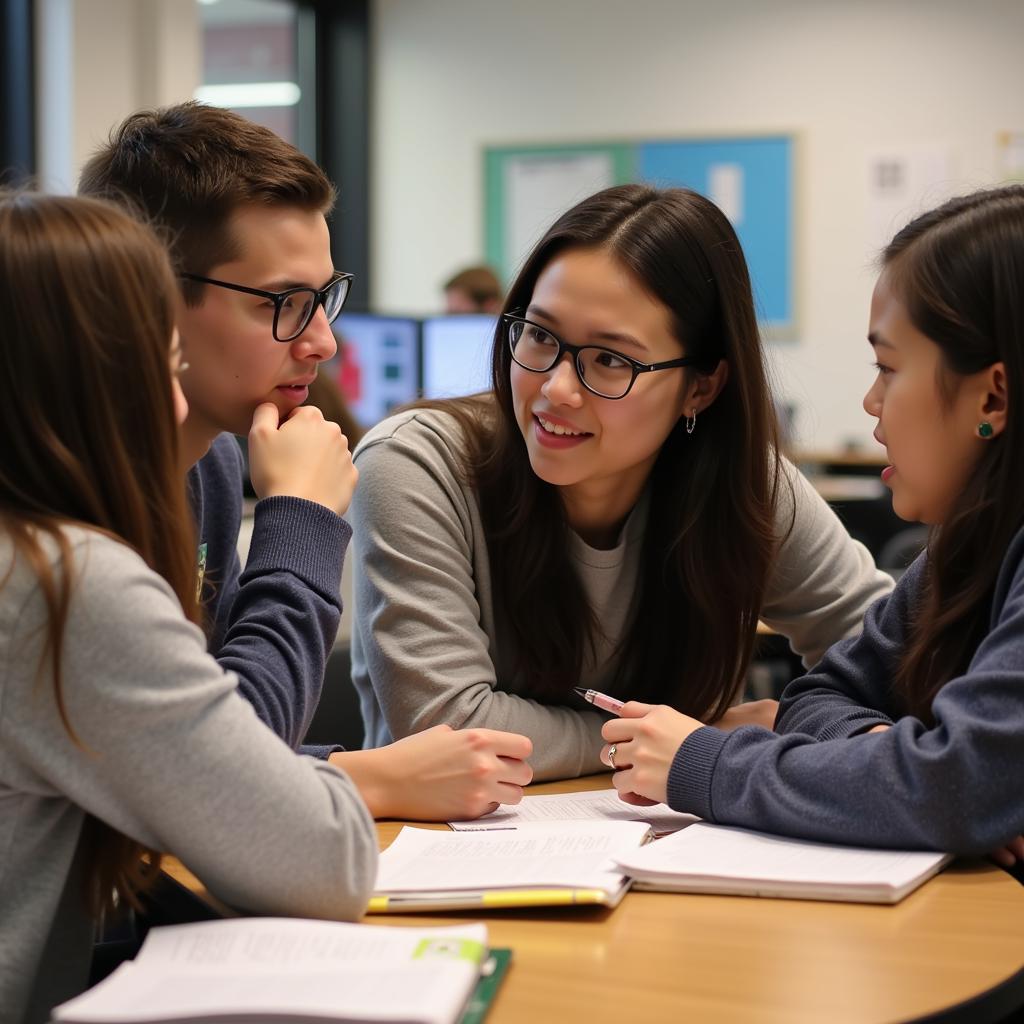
848	78
99	60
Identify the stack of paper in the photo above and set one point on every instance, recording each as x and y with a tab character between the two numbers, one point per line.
593	805
280	969
535	864
734	861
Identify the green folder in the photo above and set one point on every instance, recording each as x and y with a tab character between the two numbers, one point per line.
491	972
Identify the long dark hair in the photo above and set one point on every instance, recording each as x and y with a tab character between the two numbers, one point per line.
711	531
959	270
87	420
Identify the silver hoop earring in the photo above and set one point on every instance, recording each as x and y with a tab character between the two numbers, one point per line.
691	421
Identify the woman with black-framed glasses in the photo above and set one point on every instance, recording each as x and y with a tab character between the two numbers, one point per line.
614	516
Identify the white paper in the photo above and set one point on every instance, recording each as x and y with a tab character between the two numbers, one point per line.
601	804
254	968
541	187
719	856
573	854
903	181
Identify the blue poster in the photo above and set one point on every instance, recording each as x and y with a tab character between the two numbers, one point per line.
751	180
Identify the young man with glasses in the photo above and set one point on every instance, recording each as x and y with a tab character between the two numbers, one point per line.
244	214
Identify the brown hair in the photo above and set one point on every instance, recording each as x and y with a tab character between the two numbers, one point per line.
190	167
481	284
959	270
325	394
711	531
87	304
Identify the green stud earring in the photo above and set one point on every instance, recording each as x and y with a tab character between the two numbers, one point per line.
985	429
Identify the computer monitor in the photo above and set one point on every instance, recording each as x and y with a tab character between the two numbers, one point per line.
456	354
377	365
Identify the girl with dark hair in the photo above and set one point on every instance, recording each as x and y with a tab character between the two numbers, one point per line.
615	516
119	735
911	734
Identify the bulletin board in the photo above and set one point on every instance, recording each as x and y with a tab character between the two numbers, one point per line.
750	178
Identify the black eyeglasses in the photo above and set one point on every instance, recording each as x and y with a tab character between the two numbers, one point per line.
294	308
602	371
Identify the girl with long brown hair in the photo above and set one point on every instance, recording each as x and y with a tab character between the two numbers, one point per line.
120	737
911	735
616	515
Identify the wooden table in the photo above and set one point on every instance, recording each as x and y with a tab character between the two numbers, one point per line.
955	945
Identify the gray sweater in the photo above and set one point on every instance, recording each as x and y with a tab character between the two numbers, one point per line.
429	645
169	754
955	785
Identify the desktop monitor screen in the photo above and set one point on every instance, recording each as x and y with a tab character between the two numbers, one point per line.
376	367
457	354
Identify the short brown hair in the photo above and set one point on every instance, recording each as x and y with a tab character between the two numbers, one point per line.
190	167
481	284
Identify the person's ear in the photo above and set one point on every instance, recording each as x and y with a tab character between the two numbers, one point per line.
994	401
705	388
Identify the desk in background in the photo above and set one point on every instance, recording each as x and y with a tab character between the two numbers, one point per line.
954	948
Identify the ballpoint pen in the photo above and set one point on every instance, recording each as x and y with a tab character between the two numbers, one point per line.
600	700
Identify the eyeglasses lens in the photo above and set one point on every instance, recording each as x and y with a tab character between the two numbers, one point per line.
299	307
335	298
603	372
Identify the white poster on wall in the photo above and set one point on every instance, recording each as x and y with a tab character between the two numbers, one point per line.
725	188
540	188
903	181
1010	156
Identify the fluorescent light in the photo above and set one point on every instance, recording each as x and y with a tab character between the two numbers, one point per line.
250	94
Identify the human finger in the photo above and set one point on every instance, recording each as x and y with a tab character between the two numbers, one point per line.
508	793
618	730
636	800
306	412
1003	857
265	417
515	771
617	755
505	744
635	709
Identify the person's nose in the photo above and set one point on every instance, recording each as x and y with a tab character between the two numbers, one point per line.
317	341
873	398
563	385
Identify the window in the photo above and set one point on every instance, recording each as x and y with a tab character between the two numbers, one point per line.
249	61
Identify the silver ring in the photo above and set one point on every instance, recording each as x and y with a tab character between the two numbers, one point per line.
611	754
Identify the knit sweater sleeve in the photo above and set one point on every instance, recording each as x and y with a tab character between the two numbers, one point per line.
167	752
953	785
421	654
272	624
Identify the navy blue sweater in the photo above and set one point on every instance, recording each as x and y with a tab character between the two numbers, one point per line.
274	624
953	786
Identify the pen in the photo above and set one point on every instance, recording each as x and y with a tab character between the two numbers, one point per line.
600	700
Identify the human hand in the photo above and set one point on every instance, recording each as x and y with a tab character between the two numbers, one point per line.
441	774
303	456
646	738
1007	856
753	712
878	728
